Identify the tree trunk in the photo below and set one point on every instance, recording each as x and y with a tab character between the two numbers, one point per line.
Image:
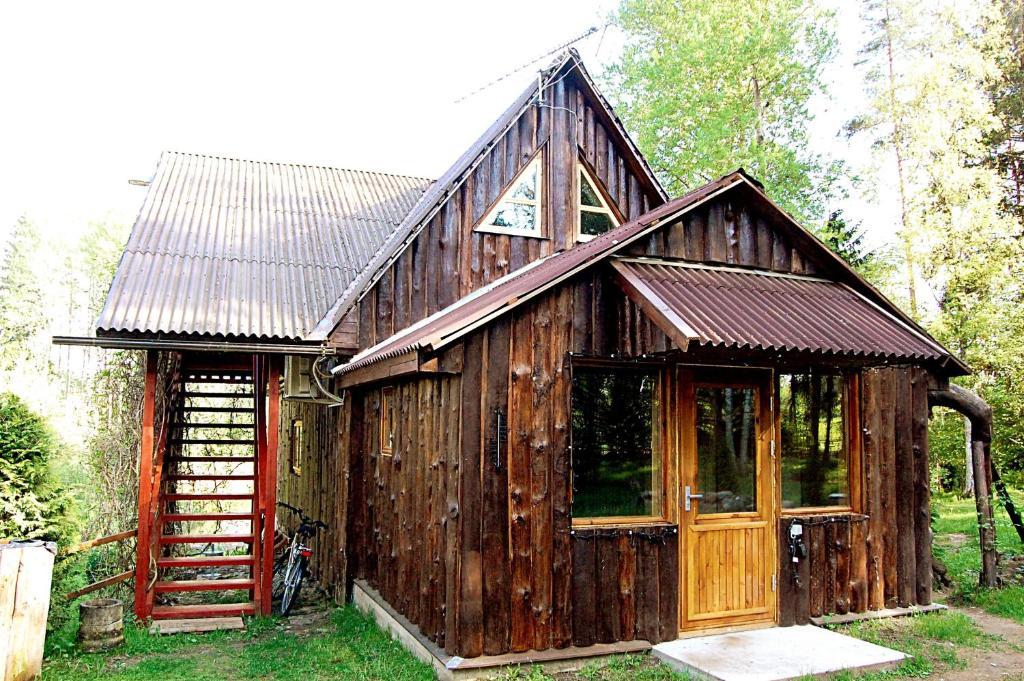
980	414
968	458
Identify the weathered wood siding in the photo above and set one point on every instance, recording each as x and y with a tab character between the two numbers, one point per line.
881	558
321	489
449	260
405	507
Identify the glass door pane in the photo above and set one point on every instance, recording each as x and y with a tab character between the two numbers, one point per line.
726	449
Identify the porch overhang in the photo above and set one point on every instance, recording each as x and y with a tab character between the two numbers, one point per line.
121	343
738	309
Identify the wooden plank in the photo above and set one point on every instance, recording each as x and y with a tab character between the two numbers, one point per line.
831	580
815	534
626	587
906	567
496	576
471	576
453	549
540	473
888	476
584	596
96	586
787	587
646	590
520	436
92	543
561	473
668	586
841	534
874	539
858	566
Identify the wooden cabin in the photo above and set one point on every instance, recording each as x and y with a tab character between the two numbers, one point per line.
550	406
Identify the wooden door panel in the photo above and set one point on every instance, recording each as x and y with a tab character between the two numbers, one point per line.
727	553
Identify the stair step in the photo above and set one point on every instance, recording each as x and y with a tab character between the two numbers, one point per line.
210	477
196	517
202	561
195	380
185	424
217	410
168	612
204	585
192	393
192	496
206	539
210	459
189	441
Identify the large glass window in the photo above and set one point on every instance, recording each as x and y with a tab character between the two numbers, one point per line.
518	210
616	459
815	461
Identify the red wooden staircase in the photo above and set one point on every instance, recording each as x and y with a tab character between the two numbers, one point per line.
210	425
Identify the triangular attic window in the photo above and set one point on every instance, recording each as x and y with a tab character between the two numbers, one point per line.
596	216
518	210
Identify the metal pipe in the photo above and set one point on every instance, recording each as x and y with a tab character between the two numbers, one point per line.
203	346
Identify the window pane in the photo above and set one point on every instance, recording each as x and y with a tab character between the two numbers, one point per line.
588	195
815	470
616	465
593	224
726	450
526	187
516	216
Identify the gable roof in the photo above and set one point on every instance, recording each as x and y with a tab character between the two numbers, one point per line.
504	295
434	199
248	249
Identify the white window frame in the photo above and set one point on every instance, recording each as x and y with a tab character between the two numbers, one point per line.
604	209
538	224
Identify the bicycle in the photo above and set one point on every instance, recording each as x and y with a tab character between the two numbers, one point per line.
291	567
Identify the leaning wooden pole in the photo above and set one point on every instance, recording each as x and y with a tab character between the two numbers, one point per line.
146	455
980	415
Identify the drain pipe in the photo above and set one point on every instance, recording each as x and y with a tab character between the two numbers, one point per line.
979	413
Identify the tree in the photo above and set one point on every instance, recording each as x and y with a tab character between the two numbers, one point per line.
21	297
847	241
32	505
1006	140
709	85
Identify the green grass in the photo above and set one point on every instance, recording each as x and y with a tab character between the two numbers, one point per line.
352	648
935	642
623	668
954	516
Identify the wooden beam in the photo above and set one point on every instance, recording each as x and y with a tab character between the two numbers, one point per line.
654	307
269	475
92	543
95	586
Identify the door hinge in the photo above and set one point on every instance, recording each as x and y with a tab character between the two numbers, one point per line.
775	582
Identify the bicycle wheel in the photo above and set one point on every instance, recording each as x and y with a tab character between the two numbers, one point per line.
293	585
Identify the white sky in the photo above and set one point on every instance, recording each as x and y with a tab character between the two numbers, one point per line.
92	92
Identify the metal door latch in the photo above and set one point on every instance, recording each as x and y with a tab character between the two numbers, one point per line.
688	496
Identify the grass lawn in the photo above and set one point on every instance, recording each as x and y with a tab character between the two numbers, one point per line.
956	544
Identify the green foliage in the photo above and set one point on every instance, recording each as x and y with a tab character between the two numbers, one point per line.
32	505
846	239
709	85
21	296
1006	140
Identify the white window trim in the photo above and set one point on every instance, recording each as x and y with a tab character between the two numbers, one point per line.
605	209
538	224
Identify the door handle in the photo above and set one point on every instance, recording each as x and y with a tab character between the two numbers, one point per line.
688	496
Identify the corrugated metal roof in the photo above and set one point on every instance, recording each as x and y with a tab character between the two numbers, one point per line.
249	249
435	197
460	318
729	308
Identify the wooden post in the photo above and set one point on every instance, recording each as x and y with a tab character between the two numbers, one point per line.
980	414
143	601
269	477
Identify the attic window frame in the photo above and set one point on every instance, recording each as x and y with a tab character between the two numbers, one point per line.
538	203
604	209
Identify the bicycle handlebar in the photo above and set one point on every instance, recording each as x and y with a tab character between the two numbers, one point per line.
305	519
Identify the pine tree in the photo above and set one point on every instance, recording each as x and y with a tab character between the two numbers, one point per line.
709	85
22	313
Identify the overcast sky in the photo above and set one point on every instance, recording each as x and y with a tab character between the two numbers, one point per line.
92	92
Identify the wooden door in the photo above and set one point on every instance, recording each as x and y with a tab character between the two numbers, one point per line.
728	527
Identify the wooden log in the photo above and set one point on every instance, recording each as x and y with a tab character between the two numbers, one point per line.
453	551
842	535
888	475
858	566
815	534
540	474
906	564
668	585
496	575
873	490
787	586
471	597
626	587
100	541
607	570
520	424
96	586
646	590
143	547
561	474
831	579
584	595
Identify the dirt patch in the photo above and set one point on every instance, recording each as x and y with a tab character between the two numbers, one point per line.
1003	660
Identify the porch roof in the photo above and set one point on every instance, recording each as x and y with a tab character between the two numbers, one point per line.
742	309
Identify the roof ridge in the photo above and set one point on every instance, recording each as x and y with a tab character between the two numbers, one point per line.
296	164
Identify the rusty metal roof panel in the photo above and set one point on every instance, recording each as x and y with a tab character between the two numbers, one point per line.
738	309
236	248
